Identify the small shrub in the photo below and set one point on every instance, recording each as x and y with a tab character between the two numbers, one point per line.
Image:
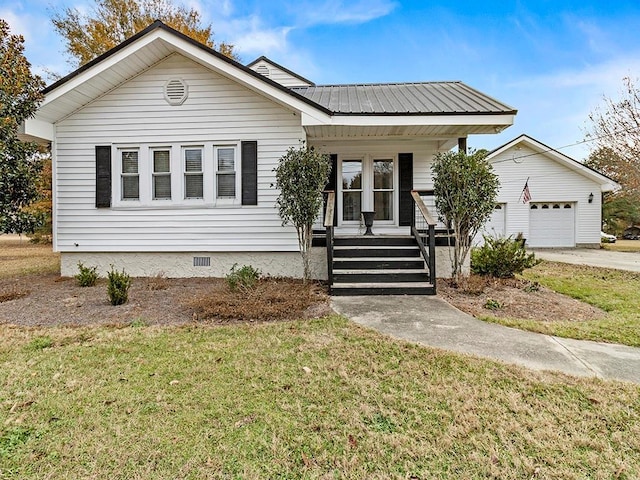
86	276
244	278
118	286
493	304
501	257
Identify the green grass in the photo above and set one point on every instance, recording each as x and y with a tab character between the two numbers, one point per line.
614	291
623	246
19	257
315	399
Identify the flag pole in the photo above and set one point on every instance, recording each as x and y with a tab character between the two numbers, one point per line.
523	188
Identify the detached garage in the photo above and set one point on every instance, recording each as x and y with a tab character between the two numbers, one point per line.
564	206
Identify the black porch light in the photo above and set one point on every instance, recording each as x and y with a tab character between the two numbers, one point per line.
591	198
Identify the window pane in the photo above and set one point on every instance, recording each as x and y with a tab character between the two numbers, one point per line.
383	205
226	185
130	188
129	162
383	174
193	186
161	161
193	160
351	205
162	186
226	159
352	174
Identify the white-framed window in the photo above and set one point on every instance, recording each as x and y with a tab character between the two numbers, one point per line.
226	163
161	173
193	172
130	174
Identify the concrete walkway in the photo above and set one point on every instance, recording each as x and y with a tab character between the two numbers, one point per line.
432	321
591	256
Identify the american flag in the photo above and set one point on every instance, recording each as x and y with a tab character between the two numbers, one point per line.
526	194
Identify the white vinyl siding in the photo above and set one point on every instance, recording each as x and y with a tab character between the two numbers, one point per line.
278	75
217	112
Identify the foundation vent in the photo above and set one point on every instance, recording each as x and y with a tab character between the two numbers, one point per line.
176	91
201	261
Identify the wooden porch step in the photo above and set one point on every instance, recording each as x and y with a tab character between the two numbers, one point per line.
377	276
374	240
392	288
369	251
378	263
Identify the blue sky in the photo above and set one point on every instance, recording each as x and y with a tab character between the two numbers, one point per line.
553	60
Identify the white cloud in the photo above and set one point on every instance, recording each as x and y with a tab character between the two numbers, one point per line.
18	23
338	11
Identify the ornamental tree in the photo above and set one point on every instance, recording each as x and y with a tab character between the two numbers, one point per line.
301	177
465	189
20	96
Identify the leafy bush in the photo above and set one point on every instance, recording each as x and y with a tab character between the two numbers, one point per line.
87	276
501	257
245	277
118	286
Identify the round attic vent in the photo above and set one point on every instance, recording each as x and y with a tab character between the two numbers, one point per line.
176	91
263	70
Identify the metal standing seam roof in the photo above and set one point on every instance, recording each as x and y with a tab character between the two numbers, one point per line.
425	98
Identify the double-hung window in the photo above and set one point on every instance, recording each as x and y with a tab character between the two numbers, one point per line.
130	175
226	166
161	174
193	173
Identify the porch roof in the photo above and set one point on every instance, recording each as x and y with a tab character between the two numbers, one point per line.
425	98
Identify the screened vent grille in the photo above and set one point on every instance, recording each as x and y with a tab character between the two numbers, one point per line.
263	70
201	261
176	91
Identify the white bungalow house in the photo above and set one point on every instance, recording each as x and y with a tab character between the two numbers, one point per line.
565	205
164	150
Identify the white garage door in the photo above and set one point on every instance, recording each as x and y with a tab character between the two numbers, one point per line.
551	225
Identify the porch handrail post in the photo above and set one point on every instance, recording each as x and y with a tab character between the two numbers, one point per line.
432	255
431	228
328	225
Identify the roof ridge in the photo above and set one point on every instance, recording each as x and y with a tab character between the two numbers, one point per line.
435	82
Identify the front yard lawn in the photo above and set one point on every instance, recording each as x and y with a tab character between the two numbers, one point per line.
303	399
615	292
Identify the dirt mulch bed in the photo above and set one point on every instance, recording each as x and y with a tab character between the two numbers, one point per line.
515	298
53	300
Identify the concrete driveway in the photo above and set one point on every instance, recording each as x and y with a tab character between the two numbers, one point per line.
432	321
591	256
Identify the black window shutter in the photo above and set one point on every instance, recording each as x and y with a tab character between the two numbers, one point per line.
250	173
103	176
405	161
332	184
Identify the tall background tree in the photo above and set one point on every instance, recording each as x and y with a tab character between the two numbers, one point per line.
20	166
465	190
301	177
111	22
615	133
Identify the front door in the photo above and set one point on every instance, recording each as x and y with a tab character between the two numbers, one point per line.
368	183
